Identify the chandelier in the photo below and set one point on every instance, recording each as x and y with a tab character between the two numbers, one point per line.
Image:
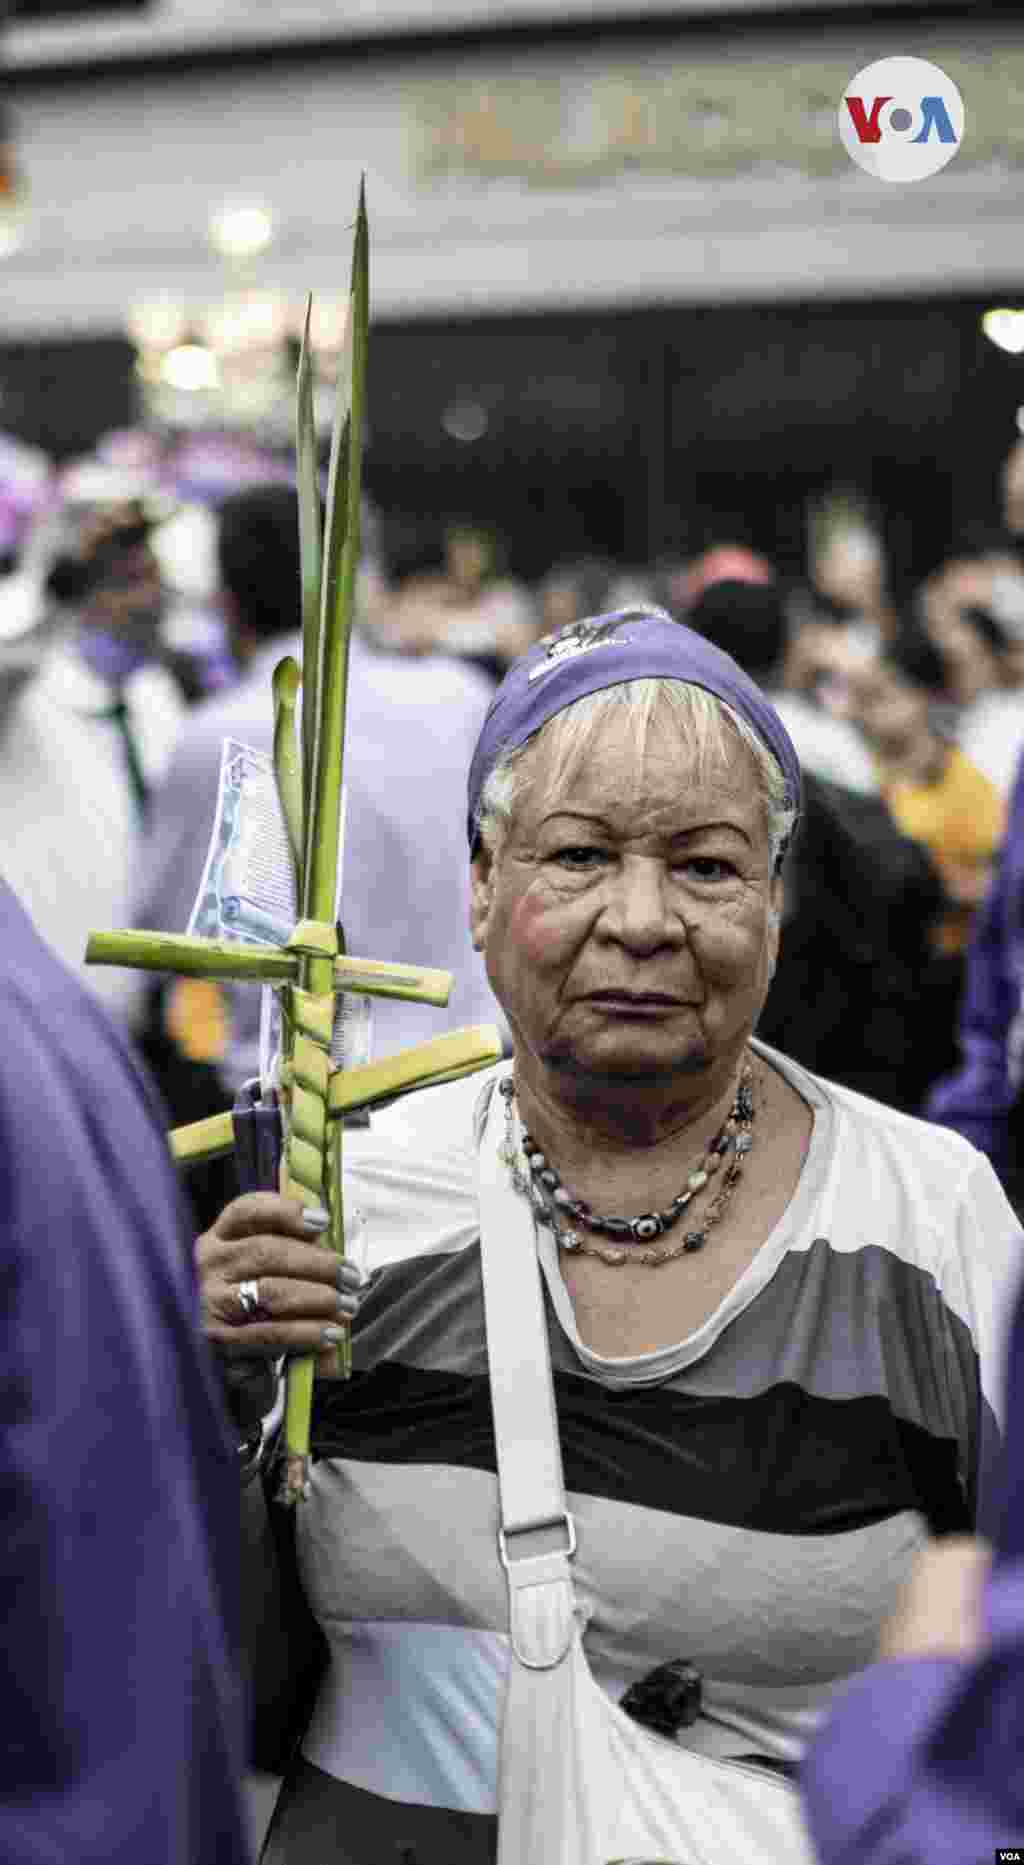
231	364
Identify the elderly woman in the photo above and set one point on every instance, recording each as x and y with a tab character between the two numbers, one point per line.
772	1305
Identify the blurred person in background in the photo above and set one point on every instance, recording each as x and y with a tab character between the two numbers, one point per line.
200	468
857	995
748	620
848	571
991	731
193	633
462	604
25	480
1011	491
935	794
981	572
972	609
411	726
88	735
897	698
572	590
719	563
29	621
631	587
188	639
122	1705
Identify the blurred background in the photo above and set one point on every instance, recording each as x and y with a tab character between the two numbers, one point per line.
641	331
629	292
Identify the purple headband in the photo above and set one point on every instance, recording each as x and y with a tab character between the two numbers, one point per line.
607	650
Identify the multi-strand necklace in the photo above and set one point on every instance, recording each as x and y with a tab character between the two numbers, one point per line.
632	1237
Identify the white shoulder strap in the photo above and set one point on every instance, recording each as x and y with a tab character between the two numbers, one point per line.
537	1536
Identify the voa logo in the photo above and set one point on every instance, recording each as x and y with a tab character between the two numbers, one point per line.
901	119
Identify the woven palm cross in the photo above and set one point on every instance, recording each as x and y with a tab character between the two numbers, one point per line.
312	969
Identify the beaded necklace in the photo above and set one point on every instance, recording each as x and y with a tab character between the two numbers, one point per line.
551	1202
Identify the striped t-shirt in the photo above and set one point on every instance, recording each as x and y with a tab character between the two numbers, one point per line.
749	1499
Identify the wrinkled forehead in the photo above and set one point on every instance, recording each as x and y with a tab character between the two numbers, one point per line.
660	774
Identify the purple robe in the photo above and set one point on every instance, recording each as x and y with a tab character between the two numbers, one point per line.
122	1712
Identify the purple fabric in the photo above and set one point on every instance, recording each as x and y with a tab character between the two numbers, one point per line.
206	468
25	487
632	644
113	653
920	1760
119	1562
11	523
979	1097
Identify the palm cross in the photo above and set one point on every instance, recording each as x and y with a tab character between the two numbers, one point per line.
312	969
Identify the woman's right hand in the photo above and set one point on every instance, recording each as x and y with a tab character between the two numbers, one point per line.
304	1289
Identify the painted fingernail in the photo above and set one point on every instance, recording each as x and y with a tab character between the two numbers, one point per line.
350	1276
332	1336
348	1305
315	1219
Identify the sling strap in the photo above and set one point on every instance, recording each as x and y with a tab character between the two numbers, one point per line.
537	1537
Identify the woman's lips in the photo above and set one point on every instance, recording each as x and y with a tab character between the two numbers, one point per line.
635	1003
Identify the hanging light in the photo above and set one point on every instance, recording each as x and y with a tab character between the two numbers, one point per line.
231	363
241	229
190	366
1005	328
465	420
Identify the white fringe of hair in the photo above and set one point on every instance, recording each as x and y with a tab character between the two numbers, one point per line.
709	726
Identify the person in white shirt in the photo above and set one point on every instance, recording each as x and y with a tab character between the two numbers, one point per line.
748	620
83	742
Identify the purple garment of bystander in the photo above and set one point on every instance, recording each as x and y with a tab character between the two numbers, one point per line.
119	1565
979	1097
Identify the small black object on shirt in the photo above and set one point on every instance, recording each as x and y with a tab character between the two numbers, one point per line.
667	1699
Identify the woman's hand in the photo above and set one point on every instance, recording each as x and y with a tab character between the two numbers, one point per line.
306	1294
939	1613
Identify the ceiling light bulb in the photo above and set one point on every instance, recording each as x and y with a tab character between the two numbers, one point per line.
465	420
1005	328
241	229
190	367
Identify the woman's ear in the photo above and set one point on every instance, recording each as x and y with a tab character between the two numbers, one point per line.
481	876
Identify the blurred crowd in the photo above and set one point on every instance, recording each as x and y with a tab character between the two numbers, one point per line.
146	593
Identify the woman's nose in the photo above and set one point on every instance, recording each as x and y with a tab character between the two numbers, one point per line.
640	912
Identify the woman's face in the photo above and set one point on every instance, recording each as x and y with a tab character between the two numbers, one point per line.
974	666
468	558
890	712
630	921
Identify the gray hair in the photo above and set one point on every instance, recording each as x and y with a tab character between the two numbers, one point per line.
710	727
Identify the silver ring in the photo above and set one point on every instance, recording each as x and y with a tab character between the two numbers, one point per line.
249	1296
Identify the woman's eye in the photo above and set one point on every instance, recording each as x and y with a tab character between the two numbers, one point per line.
709	868
579	856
